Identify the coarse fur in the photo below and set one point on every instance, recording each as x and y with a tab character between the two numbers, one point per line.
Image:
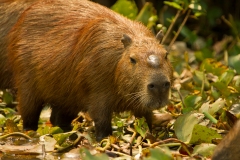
80	56
10	10
228	148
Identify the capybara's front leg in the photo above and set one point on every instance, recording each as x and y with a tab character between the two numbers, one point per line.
102	119
30	109
59	117
103	128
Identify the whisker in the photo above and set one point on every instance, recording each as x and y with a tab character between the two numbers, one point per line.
134	97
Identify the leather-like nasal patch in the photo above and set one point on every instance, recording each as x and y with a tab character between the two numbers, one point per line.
153	61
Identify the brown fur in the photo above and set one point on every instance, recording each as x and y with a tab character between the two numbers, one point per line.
73	55
229	149
10	10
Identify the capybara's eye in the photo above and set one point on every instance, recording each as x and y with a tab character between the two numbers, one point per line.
132	60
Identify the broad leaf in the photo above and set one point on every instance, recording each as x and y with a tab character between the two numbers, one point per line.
203	134
184	124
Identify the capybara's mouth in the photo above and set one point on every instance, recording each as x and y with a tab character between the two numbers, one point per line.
153	103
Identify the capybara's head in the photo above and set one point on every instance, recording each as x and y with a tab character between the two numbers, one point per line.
144	73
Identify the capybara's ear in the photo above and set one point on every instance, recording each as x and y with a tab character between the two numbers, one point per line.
126	40
160	36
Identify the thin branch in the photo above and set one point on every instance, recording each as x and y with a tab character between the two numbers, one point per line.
18	134
227	21
171	26
180	28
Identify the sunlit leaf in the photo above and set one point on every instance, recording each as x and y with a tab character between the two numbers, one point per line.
127	8
234	61
162	152
236	82
212	108
215	93
202	54
61	137
223	88
204	149
147	14
212	66
191	100
7	97
141	126
49	130
173	4
227	76
9	112
2	120
198	14
184	124
203	134
198	79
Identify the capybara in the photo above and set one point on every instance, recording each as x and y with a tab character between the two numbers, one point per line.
10	10
80	56
228	148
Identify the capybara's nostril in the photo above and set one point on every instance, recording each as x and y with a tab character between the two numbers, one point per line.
157	87
166	85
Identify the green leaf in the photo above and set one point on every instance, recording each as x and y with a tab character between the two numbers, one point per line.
198	79
236	82
191	101
223	88
203	134
49	130
234	61
7	97
204	149
203	54
215	93
127	8
212	66
61	137
147	14
212	108
184	124
198	14
9	112
2	120
227	76
173	4
162	152
141	126
188	34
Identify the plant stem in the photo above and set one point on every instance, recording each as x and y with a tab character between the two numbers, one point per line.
171	26
179	29
210	117
19	134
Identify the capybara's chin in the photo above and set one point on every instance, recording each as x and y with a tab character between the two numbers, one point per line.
155	103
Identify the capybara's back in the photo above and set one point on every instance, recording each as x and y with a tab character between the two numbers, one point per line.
80	56
10	11
229	149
